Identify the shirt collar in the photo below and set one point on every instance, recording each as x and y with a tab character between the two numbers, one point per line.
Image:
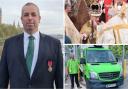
35	35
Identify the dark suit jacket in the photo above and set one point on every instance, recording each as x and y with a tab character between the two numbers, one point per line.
13	67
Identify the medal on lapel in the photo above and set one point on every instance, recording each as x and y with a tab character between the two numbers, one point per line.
50	65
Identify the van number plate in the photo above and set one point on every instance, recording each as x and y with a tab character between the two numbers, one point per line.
111	85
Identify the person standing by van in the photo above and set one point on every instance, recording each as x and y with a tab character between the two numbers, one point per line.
73	70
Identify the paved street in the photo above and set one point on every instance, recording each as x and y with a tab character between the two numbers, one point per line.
125	85
68	84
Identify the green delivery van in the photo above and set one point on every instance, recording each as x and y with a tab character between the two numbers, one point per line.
101	68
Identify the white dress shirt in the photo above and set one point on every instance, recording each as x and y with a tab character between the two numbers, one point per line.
36	48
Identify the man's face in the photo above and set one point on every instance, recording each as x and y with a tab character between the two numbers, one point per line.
95	19
118	1
30	18
68	9
72	56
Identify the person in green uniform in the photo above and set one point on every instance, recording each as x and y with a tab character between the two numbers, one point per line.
73	70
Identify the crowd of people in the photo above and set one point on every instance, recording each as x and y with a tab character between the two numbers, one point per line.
104	15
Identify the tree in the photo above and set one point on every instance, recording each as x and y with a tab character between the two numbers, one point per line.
7	30
118	51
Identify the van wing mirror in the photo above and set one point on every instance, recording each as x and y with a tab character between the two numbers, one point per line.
117	59
82	61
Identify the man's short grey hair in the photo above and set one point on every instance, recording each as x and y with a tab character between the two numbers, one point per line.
31	4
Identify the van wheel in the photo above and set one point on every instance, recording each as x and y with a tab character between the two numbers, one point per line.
87	84
116	87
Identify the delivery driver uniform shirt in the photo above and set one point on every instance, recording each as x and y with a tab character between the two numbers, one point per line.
36	48
73	66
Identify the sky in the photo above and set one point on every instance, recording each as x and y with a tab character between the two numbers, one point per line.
51	14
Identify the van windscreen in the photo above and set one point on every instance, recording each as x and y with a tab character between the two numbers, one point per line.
100	56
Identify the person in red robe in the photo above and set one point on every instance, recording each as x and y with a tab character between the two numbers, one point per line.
107	4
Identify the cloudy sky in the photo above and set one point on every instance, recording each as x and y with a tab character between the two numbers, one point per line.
51	14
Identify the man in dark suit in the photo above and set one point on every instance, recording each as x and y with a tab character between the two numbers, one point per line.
31	59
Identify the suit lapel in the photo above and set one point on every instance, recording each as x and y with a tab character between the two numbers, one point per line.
41	54
21	54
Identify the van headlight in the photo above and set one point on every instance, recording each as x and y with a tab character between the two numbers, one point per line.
93	75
